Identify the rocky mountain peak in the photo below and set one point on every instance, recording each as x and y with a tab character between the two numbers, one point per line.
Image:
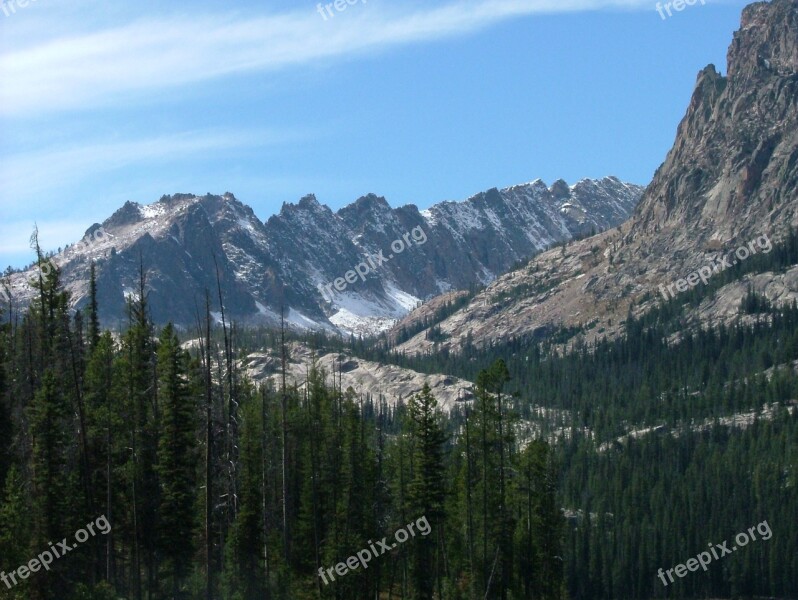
179	197
128	214
309	202
308	207
766	41
371	201
365	206
735	149
730	177
560	190
290	259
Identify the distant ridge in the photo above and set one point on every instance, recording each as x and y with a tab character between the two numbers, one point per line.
284	261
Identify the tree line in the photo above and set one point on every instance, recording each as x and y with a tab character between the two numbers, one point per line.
537	487
217	487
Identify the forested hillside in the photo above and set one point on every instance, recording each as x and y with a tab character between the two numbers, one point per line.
571	474
543	392
202	485
669	438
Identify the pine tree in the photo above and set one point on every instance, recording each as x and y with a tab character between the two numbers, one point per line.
493	381
142	416
93	310
6	424
53	479
540	529
428	488
15	530
486	417
104	424
245	573
177	457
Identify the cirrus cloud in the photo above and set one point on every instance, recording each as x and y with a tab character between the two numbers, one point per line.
101	67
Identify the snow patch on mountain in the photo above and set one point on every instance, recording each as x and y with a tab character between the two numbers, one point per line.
184	241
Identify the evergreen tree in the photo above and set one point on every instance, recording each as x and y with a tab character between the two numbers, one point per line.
245	572
177	458
15	531
141	413
93	310
53	480
540	529
427	489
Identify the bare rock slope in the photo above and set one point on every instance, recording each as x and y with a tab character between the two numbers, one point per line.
730	178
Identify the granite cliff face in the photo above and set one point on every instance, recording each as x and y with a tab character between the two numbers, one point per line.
183	241
731	177
733	170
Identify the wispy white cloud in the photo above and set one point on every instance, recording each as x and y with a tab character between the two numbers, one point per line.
127	62
34	173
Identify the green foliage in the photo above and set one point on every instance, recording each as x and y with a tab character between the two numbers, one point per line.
427	488
15	531
532	489
177	457
102	591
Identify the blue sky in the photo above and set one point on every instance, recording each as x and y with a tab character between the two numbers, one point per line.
103	101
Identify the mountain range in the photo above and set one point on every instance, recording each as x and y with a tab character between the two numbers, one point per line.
730	178
184	242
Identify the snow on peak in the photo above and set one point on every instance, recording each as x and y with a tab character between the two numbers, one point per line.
152	211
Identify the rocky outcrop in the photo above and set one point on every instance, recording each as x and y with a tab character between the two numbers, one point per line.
382	382
733	171
731	177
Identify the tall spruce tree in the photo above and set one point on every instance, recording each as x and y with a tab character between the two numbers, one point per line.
244	557
428	489
93	310
177	458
